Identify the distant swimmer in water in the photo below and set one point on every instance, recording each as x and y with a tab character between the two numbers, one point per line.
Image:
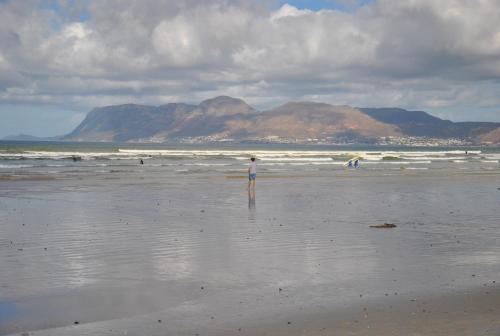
466	152
142	162
252	174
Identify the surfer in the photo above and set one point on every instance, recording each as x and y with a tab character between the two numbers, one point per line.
356	163
252	173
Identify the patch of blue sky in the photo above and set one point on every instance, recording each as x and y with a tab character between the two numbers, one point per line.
72	10
315	5
37	120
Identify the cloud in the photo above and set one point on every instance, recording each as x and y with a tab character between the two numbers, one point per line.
416	54
287	11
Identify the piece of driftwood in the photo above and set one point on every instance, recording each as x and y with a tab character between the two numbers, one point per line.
384	226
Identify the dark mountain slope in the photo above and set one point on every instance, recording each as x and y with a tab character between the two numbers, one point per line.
419	123
125	122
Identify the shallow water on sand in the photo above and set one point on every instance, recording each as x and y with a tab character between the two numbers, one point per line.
129	243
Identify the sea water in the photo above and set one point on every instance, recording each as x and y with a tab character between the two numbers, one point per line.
61	159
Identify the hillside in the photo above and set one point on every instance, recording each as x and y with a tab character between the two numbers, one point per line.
419	123
491	137
227	118
318	120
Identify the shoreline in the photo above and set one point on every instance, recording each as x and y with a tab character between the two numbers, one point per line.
464	312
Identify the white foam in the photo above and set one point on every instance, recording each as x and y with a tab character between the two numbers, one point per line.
260	154
270	157
273	164
242	154
333	163
284	159
208	164
15	166
308	163
492	156
62	155
398	162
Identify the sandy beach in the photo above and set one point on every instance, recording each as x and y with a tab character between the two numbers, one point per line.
145	251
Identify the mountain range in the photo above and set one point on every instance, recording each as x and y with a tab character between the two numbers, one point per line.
226	118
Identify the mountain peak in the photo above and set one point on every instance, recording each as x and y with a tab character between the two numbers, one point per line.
225	106
222	100
305	103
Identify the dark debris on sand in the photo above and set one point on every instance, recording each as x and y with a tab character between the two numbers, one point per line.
384	226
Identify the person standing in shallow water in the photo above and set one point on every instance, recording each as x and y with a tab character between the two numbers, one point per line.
252	174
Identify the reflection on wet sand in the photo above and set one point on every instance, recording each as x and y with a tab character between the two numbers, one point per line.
251	204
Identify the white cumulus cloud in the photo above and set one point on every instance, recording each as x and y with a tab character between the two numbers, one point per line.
421	54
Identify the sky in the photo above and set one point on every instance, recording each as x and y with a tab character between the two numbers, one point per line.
59	59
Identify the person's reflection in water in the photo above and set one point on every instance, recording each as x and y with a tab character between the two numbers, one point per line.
251	204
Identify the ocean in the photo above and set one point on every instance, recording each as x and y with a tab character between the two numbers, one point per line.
74	159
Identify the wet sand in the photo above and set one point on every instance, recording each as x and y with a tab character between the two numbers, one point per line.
473	312
140	253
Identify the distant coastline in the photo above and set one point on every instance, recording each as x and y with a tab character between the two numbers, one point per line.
382	141
27	137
